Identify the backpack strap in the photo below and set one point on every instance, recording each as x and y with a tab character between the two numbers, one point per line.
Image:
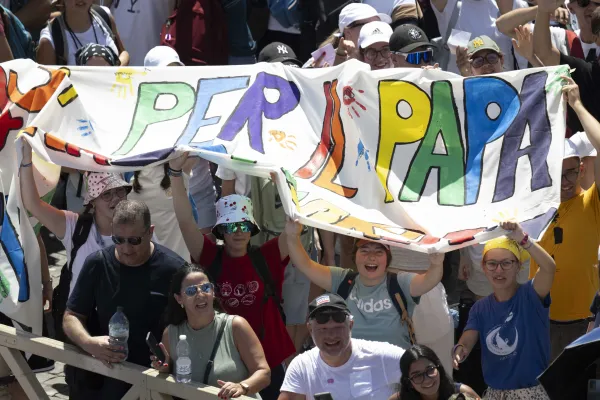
80	235
61	47
213	354
103	19
260	265
399	301
347	284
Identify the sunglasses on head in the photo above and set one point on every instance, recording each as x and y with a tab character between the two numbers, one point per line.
490	58
324	317
418	57
205	288
132	240
233	227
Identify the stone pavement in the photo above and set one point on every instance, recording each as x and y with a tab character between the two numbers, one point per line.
54	381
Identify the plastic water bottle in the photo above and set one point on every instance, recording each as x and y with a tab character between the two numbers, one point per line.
118	330
183	370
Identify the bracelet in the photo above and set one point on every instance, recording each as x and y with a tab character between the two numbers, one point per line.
341	55
454	351
524	240
29	164
46	282
530	244
174	172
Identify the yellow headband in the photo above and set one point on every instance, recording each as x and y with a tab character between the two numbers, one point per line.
503	242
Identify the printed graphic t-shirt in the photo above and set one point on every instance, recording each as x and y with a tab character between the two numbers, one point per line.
514	337
375	317
576	279
241	290
371	373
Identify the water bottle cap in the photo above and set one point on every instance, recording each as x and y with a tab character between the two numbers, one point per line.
182	337
120	308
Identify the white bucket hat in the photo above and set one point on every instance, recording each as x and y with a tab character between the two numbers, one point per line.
234	208
570	150
99	182
585	148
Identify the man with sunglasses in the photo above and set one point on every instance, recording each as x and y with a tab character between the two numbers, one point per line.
345	367
484	56
410	47
135	274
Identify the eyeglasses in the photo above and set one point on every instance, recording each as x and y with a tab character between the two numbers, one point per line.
132	240
205	288
358	25
430	372
492	265
233	227
120	192
571	175
324	317
371	54
490	58
417	57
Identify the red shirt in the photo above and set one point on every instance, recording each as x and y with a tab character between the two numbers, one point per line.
240	289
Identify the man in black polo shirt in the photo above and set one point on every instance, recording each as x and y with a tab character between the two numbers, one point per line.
135	274
586	74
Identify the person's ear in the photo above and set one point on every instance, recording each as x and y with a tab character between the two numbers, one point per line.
151	230
178	298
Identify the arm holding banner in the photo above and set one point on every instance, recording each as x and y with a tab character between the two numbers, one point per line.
422	284
193	238
542	43
591	126
319	274
51	217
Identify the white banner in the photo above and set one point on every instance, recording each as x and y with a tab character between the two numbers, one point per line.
420	159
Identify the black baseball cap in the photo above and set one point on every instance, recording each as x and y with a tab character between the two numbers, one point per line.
325	301
279	52
408	37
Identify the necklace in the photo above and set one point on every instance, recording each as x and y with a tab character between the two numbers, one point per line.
74	35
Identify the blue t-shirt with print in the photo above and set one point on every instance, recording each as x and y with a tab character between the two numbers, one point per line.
514	336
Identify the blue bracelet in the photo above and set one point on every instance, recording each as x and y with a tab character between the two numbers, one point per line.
26	165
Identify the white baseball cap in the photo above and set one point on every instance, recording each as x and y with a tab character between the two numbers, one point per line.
585	148
570	150
374	32
357	11
161	56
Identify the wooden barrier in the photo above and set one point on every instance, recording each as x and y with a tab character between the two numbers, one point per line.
148	384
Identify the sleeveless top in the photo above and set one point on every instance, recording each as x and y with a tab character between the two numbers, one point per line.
228	365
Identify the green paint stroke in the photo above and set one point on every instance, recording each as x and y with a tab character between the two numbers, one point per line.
146	113
4	287
555	82
451	169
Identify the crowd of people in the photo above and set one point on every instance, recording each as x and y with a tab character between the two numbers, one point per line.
272	309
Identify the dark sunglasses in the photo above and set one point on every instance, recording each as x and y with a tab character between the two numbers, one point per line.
233	227
490	58
417	57
205	288
419	378
132	240
324	317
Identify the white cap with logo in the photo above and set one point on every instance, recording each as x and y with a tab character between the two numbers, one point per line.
357	11
374	32
162	56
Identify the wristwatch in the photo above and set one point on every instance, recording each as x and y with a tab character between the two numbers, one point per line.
246	388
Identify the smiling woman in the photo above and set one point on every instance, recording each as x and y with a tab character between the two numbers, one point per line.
239	366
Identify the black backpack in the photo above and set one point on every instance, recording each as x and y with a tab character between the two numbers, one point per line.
395	292
58	31
61	293
262	269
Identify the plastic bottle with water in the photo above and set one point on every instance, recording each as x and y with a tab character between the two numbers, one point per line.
183	369
118	331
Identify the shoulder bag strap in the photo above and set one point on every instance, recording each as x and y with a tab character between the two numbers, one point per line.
397	299
213	354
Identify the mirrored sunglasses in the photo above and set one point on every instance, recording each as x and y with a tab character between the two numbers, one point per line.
324	317
418	57
233	227
205	288
132	240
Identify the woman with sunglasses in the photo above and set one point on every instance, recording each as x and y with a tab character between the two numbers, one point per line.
104	192
239	366
513	323
424	377
374	45
484	56
249	279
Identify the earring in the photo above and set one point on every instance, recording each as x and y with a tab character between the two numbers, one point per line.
181	305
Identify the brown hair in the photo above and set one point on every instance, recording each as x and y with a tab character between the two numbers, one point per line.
596	21
388	252
334	39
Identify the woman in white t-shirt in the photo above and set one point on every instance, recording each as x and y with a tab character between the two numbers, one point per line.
80	24
104	192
